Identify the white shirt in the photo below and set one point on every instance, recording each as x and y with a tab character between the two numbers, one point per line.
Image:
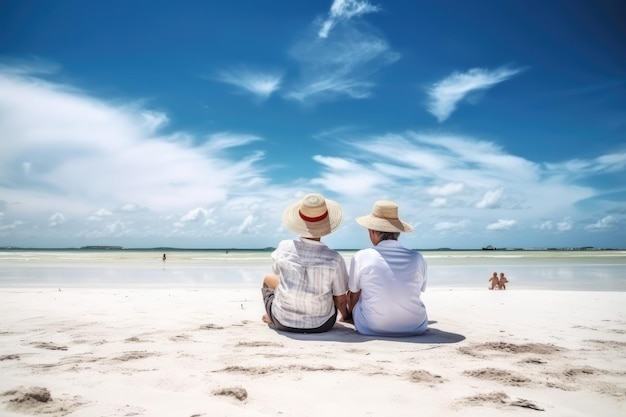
310	275
391	279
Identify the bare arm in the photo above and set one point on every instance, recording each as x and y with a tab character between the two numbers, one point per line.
341	302
353	297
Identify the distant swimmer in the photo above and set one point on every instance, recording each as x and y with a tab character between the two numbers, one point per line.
502	281
495	283
164	257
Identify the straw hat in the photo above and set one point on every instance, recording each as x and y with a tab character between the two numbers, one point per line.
384	218
313	216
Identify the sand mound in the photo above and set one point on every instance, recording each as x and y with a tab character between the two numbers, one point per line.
38	400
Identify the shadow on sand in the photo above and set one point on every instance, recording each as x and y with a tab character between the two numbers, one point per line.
346	333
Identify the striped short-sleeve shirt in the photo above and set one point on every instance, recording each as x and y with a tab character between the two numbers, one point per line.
310	275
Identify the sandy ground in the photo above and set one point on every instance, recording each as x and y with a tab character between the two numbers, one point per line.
205	352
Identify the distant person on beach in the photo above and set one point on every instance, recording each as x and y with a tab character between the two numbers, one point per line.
386	281
502	281
309	282
164	258
495	282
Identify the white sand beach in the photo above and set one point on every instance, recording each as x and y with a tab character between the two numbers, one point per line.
205	352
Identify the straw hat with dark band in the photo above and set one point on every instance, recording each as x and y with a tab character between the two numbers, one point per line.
384	218
313	216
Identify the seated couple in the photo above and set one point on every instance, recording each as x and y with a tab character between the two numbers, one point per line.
310	284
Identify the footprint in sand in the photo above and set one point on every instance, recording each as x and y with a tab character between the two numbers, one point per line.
499	375
499	399
48	346
134	355
425	377
211	326
9	357
239	393
259	344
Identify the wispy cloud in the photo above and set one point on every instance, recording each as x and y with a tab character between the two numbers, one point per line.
446	190
444	95
457	177
341	66
261	85
83	167
344	10
28	66
609	163
222	141
347	177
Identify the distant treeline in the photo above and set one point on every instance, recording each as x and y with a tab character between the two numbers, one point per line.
270	249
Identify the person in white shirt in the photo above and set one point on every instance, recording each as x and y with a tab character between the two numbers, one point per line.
386	281
309	282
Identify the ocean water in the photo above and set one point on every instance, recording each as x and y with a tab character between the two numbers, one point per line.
552	270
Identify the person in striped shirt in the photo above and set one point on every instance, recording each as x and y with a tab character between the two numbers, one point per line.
307	288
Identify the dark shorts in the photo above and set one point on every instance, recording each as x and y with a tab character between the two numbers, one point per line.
268	300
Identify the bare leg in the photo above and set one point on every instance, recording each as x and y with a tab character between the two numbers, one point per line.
270	281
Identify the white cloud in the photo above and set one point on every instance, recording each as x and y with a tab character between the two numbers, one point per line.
83	153
83	149
502	225
439	202
56	219
154	120
582	167
12	226
130	208
346	177
341	66
117	228
491	199
601	225
100	215
250	225
564	225
219	142
194	215
91	157
261	85
445	94
547	225
404	167
344	10
448	226
446	190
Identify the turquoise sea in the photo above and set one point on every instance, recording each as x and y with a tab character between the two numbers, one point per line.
554	270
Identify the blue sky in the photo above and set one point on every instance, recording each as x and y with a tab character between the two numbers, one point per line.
194	123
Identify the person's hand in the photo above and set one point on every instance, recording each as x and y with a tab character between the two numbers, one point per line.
347	319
